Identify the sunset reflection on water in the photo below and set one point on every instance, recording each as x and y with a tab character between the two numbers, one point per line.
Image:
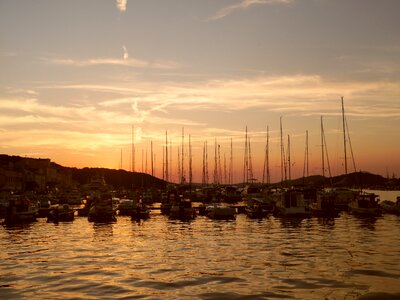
158	258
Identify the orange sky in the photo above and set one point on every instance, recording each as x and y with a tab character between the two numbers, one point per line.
72	90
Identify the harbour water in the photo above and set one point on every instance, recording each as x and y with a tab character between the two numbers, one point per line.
272	258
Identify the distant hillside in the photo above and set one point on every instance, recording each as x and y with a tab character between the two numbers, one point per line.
22	173
355	180
118	178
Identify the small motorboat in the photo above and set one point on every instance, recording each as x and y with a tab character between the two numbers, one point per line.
61	213
20	209
323	205
102	209
140	211
126	207
219	211
291	203
182	210
257	208
390	207
365	204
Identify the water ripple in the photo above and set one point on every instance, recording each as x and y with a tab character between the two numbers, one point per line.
343	258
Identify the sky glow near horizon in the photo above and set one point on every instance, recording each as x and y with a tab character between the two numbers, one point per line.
77	75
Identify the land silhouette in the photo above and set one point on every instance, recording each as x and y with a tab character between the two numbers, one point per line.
25	173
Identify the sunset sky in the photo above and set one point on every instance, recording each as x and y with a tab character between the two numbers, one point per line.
77	75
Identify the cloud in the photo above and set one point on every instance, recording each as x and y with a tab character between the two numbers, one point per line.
126	55
171	105
305	95
125	61
100	123
122	4
244	4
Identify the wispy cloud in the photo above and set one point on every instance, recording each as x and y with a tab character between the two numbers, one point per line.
206	109
305	95
171	105
244	4
126	55
122	4
125	61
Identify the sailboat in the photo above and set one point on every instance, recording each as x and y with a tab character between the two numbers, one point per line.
344	196
323	201
290	202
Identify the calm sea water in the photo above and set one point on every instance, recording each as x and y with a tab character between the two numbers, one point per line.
159	258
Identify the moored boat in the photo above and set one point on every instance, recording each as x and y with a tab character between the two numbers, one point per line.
167	199
219	211
257	208
390	207
61	213
43	206
20	209
343	197
102	209
140	211
125	207
365	204
323	205
182	209
291	203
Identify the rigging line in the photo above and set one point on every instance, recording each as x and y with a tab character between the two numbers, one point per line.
327	159
351	148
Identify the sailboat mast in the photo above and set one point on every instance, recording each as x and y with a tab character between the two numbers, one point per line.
152	158
246	161
290	175
133	149
282	151
322	148
163	163
206	163
250	173
166	156
325	152
231	165
215	163
344	138
266	161
268	173
190	162
225	178
219	165
170	161
182	153
351	148
179	165
307	163
203	177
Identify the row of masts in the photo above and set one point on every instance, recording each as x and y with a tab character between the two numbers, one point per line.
226	176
